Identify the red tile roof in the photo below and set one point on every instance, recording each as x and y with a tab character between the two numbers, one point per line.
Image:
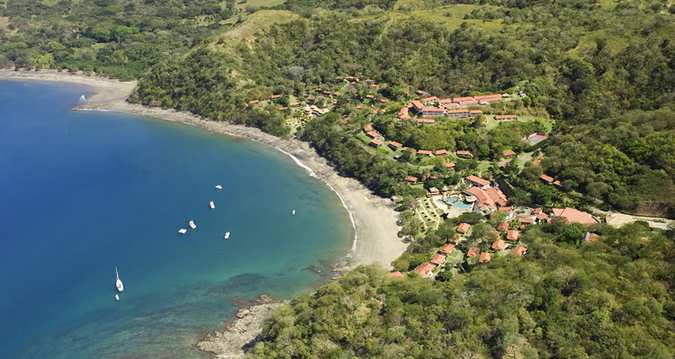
418	105
463	227
513	235
373	134
497	196
519	251
395	144
546	178
404	113
485	257
447	248
573	215
438	259
483	199
449	165
462	99
376	142
411	179
498	245
503	226
480	182
425	152
396	274
441	152
472	252
464	153
425	270
505	117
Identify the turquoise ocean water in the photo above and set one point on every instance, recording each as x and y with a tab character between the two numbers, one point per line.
83	192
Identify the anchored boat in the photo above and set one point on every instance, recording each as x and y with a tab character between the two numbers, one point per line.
182	231
212	205
118	282
226	236
192	224
219	187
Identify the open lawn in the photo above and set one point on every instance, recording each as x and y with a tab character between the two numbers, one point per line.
256	22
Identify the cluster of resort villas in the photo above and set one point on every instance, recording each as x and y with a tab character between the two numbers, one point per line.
484	197
425	110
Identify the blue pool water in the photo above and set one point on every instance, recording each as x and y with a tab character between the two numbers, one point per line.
82	192
458	203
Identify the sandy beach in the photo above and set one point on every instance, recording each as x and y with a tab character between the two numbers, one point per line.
374	219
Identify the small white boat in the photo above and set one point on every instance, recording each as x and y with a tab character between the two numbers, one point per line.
293	212
83	99
117	297
118	282
212	205
226	236
219	187
192	224
182	231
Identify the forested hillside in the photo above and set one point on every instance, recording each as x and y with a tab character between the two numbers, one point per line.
109	37
607	299
604	69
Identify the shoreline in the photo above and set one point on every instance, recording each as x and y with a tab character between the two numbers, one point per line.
373	218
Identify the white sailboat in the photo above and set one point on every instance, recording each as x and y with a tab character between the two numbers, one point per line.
219	187
212	205
293	212
182	231
117	297
192	224
118	282
227	235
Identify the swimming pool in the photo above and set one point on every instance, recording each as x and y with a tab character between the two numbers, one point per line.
457	202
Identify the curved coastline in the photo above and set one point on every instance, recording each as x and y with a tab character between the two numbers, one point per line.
373	218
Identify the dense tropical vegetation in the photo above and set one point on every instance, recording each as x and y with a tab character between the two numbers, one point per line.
607	299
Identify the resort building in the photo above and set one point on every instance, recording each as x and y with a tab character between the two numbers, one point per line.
441	152
503	226
464	154
485	257
513	234
447	248
411	179
477	181
573	215
428	111
519	251
438	259
376	143
425	270
395	145
506	117
535	138
424	152
498	245
463	228
472	252
459	113
546	178
449	165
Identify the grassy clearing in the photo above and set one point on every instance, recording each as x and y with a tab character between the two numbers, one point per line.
257	22
257	4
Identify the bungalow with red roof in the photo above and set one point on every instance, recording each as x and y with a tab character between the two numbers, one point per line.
395	145
449	165
487	99
417	106
411	179
425	270
463	228
376	143
477	181
425	152
506	117
573	215
525	220
485	257
441	152
464	154
540	215
425	121
475	113
396	274
447	248
546	178
513	234
536	138
404	113
519	251
438	259
373	134
503	226
498	245
472	252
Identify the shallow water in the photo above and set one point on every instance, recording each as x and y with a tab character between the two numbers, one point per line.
83	192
